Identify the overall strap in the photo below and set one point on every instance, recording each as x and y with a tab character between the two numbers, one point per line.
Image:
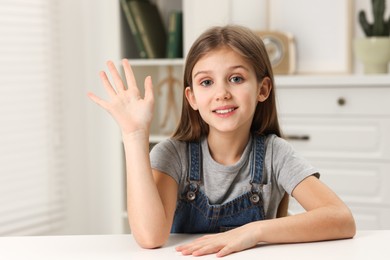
193	177
258	151
195	162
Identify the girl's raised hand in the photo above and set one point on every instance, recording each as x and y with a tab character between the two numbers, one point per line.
132	112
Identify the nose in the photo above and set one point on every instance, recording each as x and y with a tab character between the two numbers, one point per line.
223	93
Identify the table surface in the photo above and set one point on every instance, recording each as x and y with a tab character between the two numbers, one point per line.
370	244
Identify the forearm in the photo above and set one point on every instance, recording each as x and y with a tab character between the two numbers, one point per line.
146	212
133	113
326	223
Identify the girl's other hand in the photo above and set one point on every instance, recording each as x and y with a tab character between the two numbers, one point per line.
223	244
132	112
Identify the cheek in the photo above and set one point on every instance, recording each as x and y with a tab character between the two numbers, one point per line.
250	96
251	100
200	99
201	105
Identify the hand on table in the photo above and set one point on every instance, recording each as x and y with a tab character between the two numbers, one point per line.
223	244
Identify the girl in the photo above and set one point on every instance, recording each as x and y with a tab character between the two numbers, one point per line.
226	167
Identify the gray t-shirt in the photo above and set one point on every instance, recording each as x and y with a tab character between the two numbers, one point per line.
283	170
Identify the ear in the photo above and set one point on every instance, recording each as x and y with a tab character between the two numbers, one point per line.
265	89
191	98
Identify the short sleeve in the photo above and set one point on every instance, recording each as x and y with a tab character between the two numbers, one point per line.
289	167
167	157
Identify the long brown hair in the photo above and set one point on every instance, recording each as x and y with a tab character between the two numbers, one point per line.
191	126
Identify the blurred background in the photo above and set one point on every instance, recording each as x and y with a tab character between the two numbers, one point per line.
54	176
61	160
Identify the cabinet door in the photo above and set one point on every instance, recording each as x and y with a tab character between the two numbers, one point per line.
339	138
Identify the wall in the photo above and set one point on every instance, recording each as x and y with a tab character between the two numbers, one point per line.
90	37
74	109
311	45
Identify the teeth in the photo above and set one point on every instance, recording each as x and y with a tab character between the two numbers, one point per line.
224	111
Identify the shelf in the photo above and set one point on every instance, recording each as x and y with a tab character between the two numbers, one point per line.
353	80
156	62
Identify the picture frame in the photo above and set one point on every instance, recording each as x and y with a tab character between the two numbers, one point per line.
322	48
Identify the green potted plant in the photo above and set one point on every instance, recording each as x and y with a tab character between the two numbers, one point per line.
374	50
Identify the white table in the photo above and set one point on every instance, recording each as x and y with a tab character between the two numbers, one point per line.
366	245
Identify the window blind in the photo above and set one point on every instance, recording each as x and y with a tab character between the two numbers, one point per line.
31	165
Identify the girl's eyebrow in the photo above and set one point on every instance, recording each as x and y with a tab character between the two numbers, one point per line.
202	72
231	68
240	67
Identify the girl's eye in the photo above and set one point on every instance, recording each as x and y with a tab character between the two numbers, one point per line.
206	83
236	79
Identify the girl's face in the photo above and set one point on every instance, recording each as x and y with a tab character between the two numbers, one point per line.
225	91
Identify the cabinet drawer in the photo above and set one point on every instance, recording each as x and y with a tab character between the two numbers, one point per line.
366	218
339	138
333	101
363	187
357	183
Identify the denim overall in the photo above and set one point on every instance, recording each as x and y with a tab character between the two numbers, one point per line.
194	214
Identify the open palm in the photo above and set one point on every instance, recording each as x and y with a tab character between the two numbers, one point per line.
132	112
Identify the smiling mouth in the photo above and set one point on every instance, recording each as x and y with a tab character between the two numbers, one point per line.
224	111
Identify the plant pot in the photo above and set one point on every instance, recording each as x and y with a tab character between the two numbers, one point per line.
374	52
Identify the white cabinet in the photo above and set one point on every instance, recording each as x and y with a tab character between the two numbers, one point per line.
342	125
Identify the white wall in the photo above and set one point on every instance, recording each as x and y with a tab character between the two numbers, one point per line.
73	82
105	171
255	15
90	37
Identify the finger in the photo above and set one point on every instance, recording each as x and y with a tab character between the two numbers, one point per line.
181	248
189	245
98	100
206	250
193	244
198	248
130	79
226	250
187	249
116	76
107	85
149	96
